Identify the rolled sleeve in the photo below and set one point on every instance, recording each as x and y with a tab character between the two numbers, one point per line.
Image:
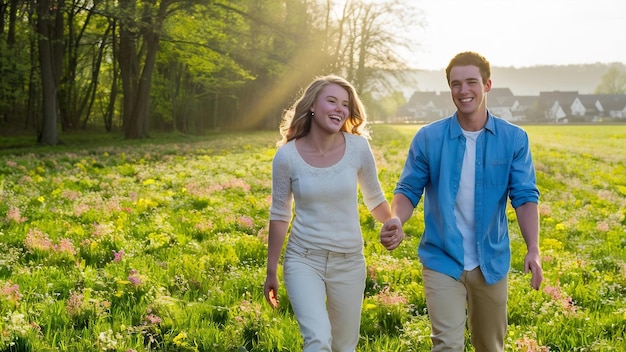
523	181
415	173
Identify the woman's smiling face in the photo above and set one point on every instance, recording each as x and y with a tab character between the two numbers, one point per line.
331	108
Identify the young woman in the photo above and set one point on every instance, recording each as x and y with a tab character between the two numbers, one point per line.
323	158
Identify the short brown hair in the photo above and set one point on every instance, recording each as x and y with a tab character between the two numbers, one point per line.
470	58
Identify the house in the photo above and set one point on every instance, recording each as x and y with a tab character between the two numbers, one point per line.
425	107
524	107
612	105
500	101
557	105
588	107
554	107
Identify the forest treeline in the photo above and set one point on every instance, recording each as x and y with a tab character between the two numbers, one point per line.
193	66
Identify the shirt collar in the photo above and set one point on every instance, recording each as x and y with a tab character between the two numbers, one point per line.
456	131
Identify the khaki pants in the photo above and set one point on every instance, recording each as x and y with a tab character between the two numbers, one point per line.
450	301
326	293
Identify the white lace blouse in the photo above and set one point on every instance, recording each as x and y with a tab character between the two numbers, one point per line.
326	212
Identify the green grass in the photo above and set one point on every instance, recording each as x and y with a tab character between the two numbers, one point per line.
160	245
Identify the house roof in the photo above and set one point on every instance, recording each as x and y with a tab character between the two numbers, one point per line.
526	100
422	98
564	98
612	102
500	97
588	100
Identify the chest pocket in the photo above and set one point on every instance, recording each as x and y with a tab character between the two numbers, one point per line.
498	172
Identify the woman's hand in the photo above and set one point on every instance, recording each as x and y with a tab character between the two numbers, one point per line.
270	290
391	234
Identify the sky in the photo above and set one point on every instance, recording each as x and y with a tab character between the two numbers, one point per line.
520	33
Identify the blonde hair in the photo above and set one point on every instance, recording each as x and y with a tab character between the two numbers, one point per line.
296	121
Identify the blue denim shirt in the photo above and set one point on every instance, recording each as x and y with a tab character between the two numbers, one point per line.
504	169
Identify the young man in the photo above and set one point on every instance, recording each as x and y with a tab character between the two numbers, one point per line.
467	166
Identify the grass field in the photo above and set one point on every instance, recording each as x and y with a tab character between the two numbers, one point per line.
160	245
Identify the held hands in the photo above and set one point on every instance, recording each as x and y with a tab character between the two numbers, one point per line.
391	234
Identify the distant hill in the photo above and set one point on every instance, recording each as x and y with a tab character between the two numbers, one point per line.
523	81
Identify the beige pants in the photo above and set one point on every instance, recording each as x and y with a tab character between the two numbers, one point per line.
326	293
450	302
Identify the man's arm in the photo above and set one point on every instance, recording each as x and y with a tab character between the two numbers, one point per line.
528	220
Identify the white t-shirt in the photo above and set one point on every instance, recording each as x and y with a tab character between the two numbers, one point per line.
464	209
326	212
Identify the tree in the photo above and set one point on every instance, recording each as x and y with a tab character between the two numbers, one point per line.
282	52
199	68
85	44
50	43
370	35
383	108
613	81
189	65
141	24
14	65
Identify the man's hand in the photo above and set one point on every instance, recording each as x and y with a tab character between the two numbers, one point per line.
532	263
391	234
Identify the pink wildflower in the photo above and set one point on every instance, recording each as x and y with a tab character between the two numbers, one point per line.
552	291
372	275
390	298
15	215
204	226
99	230
245	221
556	293
69	195
11	292
526	344
237	183
263	234
214	188
134	278
74	304
80	209
37	240
66	246
117	256
603	226
153	319
113	205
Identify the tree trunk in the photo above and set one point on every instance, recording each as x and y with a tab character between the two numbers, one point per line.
12	22
49	22
128	63
108	116
137	86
